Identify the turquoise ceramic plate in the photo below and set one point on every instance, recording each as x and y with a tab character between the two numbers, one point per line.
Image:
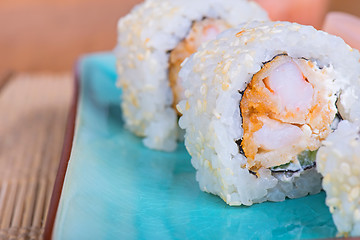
115	188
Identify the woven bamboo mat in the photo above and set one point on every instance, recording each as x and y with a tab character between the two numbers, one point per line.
33	113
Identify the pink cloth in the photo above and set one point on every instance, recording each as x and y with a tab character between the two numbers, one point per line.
307	12
345	26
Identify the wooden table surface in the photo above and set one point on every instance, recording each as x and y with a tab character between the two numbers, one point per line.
33	110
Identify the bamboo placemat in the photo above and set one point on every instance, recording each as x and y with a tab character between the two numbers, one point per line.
33	113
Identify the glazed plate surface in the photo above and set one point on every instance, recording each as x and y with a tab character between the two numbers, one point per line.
115	188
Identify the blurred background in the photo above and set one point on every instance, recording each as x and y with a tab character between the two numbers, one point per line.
42	35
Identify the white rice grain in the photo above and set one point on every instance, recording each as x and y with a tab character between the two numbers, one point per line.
145	37
339	162
226	65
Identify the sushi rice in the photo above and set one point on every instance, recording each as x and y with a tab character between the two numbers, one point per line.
146	37
339	162
246	68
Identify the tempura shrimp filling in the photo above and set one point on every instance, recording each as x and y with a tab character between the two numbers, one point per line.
200	32
287	108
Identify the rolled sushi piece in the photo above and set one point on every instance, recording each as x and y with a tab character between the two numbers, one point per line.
259	102
338	160
153	40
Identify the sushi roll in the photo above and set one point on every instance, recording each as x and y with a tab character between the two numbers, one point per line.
258	103
338	160
153	40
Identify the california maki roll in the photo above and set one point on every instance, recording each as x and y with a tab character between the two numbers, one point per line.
258	103
153	40
338	160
